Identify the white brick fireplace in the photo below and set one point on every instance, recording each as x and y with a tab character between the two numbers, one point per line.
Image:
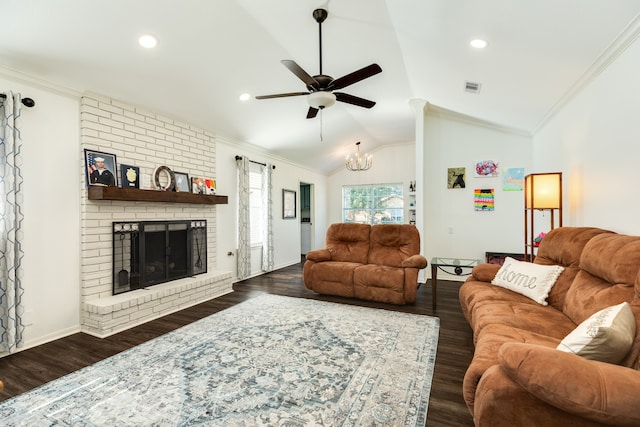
141	138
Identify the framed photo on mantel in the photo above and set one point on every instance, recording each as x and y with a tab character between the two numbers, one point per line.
130	176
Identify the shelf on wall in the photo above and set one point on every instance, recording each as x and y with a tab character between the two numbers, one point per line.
98	192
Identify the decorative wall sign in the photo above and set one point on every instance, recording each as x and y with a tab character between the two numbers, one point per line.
183	185
483	199
486	168
203	186
130	176
456	178
100	168
513	179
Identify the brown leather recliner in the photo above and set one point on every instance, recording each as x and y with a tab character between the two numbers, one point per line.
378	263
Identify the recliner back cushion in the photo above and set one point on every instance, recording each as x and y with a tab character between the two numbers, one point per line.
348	242
563	246
393	243
609	266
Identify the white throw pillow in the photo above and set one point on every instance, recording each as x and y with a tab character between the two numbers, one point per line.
606	336
531	280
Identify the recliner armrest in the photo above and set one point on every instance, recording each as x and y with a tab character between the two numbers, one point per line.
485	272
414	261
598	391
318	255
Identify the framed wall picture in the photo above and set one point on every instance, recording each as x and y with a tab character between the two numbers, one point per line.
130	176
100	168
288	204
203	186
183	184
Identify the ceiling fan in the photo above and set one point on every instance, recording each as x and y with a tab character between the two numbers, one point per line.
320	88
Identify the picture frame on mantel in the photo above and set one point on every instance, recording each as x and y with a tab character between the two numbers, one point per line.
100	168
288	204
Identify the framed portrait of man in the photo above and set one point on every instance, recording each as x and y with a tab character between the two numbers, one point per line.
100	168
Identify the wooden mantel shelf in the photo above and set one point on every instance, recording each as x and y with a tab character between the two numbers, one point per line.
98	192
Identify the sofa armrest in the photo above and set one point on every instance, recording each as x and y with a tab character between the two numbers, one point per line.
485	272
414	261
318	255
597	391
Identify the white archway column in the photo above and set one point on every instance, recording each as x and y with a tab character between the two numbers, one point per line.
419	106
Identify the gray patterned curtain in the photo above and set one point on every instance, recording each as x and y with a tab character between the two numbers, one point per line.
244	230
11	254
267	219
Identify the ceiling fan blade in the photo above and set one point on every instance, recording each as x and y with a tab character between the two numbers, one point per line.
282	95
356	76
300	73
312	113
350	99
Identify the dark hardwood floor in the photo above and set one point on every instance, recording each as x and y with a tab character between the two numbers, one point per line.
31	368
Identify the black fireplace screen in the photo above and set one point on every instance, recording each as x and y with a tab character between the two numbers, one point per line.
151	252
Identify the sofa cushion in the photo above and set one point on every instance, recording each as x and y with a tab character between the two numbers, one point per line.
609	266
606	336
390	244
531	280
331	277
348	242
563	246
379	283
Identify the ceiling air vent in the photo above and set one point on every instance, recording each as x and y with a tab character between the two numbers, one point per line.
472	87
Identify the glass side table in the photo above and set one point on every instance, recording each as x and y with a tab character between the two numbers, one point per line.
455	266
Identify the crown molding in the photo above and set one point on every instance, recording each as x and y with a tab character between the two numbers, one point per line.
620	44
31	80
437	111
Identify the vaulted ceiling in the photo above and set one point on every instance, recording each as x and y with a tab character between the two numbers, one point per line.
211	51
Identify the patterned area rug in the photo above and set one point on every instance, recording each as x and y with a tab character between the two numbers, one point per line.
270	361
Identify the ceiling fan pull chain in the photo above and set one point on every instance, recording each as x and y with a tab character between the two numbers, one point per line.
321	139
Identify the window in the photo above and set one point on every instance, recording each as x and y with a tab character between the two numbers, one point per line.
255	204
373	204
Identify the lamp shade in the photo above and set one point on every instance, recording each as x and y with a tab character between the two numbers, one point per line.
543	190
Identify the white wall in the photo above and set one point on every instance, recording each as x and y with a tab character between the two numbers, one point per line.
595	142
51	150
286	232
452	228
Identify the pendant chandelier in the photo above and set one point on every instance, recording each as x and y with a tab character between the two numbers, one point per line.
357	163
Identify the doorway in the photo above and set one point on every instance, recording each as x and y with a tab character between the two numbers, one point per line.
306	217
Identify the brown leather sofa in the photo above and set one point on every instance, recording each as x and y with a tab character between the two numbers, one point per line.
378	263
517	376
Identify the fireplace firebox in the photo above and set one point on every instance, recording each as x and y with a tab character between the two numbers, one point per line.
148	253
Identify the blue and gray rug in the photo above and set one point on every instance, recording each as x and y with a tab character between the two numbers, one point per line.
270	361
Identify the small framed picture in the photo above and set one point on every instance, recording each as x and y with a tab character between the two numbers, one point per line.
183	185
288	204
130	176
203	186
100	168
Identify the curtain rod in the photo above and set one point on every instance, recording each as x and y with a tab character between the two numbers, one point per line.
257	163
27	102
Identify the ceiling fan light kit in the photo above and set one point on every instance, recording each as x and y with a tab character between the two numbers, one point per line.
321	86
321	99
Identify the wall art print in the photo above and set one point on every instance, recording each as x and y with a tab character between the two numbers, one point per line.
513	179
484	199
486	168
456	177
203	186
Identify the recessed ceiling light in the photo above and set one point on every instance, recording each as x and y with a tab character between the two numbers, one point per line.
245	97
479	43
148	41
